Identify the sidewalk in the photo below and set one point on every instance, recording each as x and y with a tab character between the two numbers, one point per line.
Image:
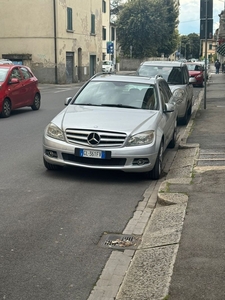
184	241
199	270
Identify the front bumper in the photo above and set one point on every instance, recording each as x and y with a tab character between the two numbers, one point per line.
127	159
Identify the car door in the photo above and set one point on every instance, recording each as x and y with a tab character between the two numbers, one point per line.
15	89
189	86
169	119
29	84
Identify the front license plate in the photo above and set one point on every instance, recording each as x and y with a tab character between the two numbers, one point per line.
92	153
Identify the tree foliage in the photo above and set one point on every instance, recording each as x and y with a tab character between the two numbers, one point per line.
190	45
149	26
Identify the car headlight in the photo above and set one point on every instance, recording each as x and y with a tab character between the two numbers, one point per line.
179	95
55	132
143	138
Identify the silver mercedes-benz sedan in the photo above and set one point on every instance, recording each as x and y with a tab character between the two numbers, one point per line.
114	122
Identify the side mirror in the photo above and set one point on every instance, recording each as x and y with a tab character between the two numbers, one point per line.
192	80
67	101
169	107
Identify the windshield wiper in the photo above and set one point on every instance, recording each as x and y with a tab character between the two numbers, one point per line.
120	105
88	104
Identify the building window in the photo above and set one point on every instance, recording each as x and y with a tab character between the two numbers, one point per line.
112	34
210	46
69	19
103	6
104	33
92	24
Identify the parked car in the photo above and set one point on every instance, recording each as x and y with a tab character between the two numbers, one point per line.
115	122
18	88
108	66
197	72
177	76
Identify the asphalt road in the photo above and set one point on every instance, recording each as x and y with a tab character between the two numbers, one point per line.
51	222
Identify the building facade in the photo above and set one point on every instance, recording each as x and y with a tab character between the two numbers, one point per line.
60	40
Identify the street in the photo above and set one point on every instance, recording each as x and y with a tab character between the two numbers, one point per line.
51	222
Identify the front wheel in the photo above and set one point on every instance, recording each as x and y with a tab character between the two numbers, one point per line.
6	108
172	143
37	102
155	173
51	167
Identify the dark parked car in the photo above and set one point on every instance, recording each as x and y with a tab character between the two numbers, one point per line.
114	122
18	88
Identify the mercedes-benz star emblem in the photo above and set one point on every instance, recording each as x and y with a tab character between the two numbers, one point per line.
93	139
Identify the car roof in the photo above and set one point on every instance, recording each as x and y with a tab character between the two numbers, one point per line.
5	61
165	63
126	78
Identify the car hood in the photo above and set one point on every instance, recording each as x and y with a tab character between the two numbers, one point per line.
106	118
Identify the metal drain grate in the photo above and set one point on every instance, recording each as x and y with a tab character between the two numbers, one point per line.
120	241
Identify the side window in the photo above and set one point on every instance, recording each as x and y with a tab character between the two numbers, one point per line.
92	24
185	75
165	93
69	19
163	98
15	74
103	6
26	73
104	33
167	89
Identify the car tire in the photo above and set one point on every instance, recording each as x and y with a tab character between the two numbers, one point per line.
6	108
37	102
51	167
184	120
157	170
189	110
155	173
173	141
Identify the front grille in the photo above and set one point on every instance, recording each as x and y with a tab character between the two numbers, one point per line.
94	161
107	138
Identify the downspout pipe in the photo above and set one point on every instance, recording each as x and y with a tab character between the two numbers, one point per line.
55	42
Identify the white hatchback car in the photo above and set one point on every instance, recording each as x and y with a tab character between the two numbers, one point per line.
107	66
177	76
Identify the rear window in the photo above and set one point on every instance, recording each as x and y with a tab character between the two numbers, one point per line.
173	75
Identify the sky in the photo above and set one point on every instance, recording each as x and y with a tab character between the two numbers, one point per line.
189	16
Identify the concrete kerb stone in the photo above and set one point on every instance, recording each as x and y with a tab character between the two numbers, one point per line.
181	170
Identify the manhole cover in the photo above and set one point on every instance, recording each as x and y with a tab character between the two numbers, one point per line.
120	241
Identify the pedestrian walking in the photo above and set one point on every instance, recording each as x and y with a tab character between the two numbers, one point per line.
217	66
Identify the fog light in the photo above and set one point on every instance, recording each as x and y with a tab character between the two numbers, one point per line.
140	161
51	153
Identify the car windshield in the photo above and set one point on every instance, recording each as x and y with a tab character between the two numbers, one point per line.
107	62
3	74
194	67
171	74
118	94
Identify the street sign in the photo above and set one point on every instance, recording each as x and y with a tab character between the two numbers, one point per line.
209	29
209	9
110	47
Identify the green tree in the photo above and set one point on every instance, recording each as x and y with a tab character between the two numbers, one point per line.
149	26
190	45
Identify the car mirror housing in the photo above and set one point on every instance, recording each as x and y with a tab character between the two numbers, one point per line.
169	107
67	101
192	80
